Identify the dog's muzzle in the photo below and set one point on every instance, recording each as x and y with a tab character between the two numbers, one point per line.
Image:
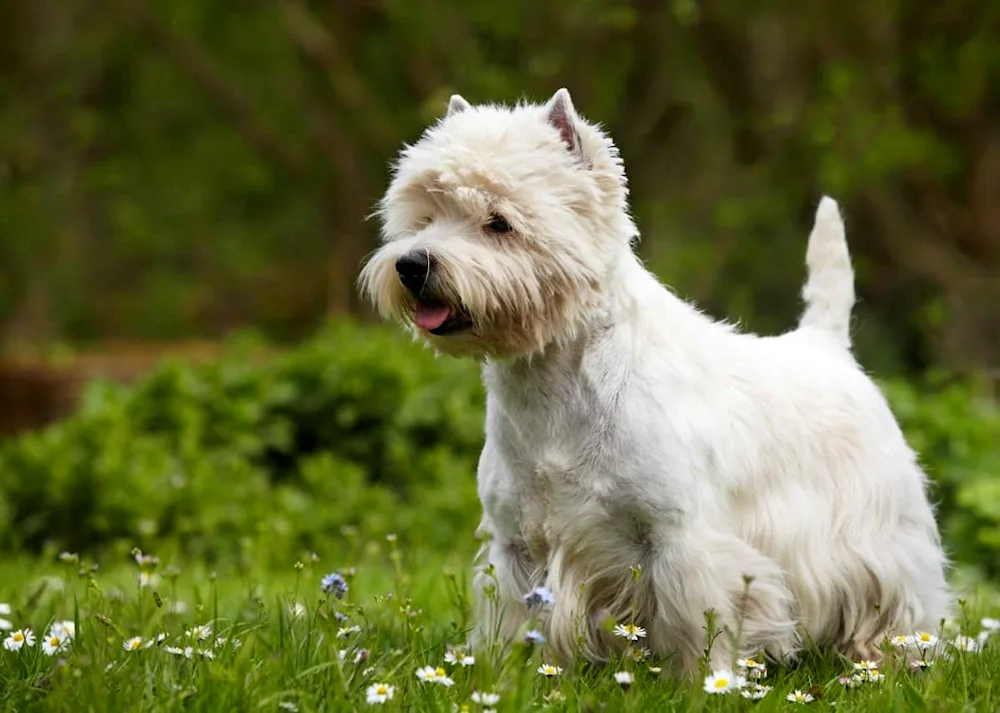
415	270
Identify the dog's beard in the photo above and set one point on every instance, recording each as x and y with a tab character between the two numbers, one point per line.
481	303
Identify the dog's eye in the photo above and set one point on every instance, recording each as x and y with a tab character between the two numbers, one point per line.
498	224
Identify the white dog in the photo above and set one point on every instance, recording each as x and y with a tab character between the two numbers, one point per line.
628	433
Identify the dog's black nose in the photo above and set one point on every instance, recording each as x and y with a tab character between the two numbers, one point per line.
414	268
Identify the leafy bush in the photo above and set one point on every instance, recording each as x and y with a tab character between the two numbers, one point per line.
358	427
362	428
955	427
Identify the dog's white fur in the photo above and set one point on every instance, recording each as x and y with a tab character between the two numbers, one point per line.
626	429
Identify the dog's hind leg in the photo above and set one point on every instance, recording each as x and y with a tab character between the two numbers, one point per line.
752	609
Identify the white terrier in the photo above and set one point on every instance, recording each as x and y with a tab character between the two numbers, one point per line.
627	432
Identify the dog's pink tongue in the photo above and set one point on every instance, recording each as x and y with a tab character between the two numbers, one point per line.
430	317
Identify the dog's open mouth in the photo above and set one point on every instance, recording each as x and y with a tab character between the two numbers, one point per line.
439	319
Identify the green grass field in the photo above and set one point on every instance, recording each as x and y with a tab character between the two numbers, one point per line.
278	642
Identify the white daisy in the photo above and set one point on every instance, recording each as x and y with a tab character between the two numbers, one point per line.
871	675
348	630
19	638
755	692
379	693
723	681
966	644
148	579
921	664
5	624
429	674
288	706
155	641
52	645
63	629
549	670
754	669
798	696
924	640
207	654
133	644
458	656
624	678
296	609
485	699
865	665
638	653
200	632
988	624
901	641
630	632
4	609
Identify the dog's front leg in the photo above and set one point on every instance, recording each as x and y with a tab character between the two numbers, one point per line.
500	583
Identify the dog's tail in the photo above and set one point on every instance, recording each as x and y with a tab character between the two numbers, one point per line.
829	288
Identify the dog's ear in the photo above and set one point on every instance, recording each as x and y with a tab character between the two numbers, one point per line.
457	105
561	114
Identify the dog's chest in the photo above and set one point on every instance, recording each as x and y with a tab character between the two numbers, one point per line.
562	452
545	493
548	470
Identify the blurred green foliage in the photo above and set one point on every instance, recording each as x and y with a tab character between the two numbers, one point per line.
178	168
358	428
955	427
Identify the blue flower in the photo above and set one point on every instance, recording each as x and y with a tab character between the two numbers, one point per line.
534	636
540	595
334	584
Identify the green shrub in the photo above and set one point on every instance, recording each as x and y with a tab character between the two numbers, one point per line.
955	427
358	427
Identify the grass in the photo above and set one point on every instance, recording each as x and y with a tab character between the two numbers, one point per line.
408	607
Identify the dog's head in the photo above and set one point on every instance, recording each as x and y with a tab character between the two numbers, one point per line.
499	228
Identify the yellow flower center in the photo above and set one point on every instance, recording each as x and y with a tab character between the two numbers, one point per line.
53	641
924	636
751	663
382	690
439	672
722	683
18	636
